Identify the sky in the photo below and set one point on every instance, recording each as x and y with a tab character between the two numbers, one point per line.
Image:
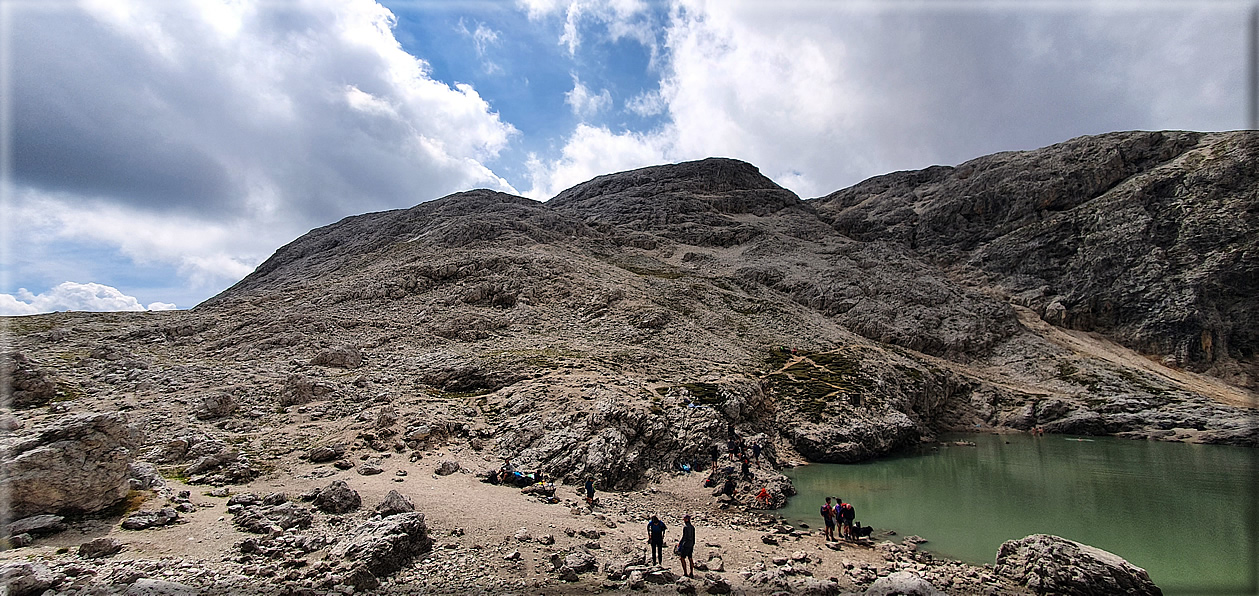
156	151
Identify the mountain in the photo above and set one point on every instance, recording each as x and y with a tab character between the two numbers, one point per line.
1105	285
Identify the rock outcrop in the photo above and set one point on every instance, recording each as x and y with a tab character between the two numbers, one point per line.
1051	565
74	465
387	545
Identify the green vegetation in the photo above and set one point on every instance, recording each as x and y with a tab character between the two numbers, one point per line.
30	324
820	385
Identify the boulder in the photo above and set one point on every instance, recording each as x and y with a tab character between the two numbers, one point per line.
37	525
215	405
1052	565
394	504
342	357
447	468
143	520
580	561
337	497
260	519
326	453
101	547
905	583
25	383
158	587
384	546
78	464
22	578
368	468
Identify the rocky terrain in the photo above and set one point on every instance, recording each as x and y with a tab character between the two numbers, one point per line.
1105	285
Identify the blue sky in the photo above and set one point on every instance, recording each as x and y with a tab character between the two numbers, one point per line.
158	150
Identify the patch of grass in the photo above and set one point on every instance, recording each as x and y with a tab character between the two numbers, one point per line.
821	385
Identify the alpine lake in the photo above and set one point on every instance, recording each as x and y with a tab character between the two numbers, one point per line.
1188	514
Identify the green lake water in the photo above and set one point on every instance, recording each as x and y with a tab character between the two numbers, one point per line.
1185	513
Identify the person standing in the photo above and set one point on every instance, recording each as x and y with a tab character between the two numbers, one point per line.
828	518
686	547
590	491
846	515
715	452
655	538
756	451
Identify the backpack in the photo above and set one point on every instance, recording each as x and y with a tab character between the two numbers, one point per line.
848	512
827	512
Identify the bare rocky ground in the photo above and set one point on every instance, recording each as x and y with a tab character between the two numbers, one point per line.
619	331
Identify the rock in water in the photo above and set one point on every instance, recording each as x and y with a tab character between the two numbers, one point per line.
1053	565
76	465
386	545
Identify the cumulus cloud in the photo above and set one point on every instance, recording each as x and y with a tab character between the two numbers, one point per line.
591	151
74	296
823	95
239	111
585	103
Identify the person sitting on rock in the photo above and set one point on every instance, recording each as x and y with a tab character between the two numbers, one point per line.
762	498
686	547
728	488
655	538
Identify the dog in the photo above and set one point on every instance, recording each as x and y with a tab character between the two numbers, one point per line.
858	531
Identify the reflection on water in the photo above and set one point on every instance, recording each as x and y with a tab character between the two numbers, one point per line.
1186	513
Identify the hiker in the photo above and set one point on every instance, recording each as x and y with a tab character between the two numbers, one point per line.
731	448
762	498
747	467
828	518
728	488
590	490
710	481
846	515
716	453
655	537
756	451
686	546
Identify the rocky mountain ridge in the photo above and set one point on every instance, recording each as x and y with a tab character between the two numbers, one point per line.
622	328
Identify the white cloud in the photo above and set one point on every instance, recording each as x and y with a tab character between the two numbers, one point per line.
74	296
823	95
584	103
646	104
218	126
592	151
482	38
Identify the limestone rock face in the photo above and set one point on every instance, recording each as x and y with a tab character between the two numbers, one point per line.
1052	565
77	464
25	384
1148	237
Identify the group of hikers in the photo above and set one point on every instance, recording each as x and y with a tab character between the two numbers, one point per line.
841	514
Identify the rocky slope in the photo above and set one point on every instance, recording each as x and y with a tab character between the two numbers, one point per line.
1105	285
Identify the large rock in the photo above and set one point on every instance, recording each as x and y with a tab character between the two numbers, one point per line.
905	583
215	405
28	578
387	545
394	504
342	357
337	497
78	465
25	383
1053	565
